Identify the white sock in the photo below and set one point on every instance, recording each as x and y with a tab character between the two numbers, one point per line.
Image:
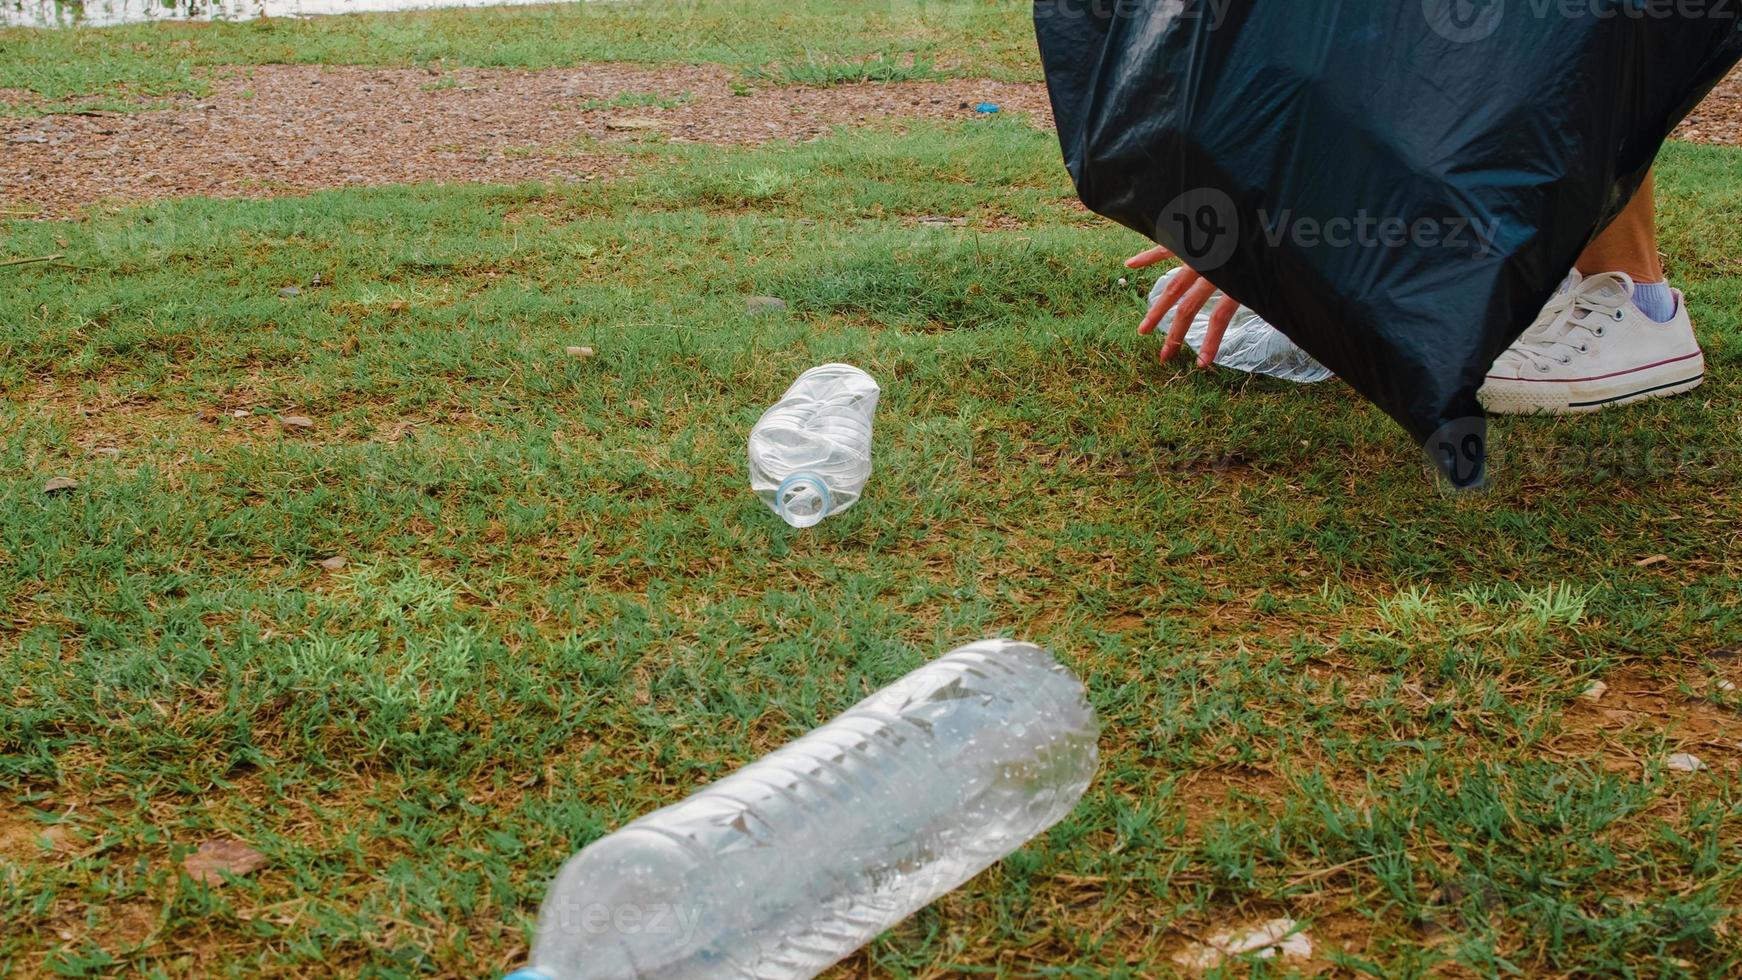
1655	300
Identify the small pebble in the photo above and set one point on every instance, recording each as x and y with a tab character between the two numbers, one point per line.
1683	762
332	564
764	304
289	291
1594	691
1726	686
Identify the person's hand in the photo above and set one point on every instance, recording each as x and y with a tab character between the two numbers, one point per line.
1189	292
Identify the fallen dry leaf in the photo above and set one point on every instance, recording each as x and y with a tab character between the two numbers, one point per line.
941	221
1594	691
1265	941
218	857
59	483
580	352
1648	562
764	304
1683	762
332	564
239	413
58	838
398	430
298	421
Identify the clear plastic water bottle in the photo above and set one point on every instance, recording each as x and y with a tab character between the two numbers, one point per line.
1251	344
784	867
810	454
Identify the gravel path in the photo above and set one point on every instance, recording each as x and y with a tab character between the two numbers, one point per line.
278	129
1719	118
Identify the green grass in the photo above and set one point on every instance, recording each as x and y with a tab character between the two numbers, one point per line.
1328	690
824	72
637	100
816	42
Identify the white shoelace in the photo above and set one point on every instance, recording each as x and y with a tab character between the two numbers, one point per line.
1572	319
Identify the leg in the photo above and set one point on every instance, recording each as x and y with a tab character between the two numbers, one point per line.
1629	244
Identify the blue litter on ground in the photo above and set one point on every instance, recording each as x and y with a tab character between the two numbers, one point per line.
986	107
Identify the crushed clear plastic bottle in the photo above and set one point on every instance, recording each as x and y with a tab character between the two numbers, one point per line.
789	864
810	454
1250	344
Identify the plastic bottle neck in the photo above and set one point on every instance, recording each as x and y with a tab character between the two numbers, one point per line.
803	499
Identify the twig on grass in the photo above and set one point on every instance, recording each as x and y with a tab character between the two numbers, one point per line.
33	258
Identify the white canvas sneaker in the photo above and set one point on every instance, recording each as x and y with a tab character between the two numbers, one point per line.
1556	304
1592	348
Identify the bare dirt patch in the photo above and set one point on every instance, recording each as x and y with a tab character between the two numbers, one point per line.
1206	794
1703	726
19	836
278	129
28	840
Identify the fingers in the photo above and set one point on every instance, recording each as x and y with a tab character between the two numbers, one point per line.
1144	259
1170	294
1188	308
1220	317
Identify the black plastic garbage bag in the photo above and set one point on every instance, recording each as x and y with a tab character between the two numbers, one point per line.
1398	185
